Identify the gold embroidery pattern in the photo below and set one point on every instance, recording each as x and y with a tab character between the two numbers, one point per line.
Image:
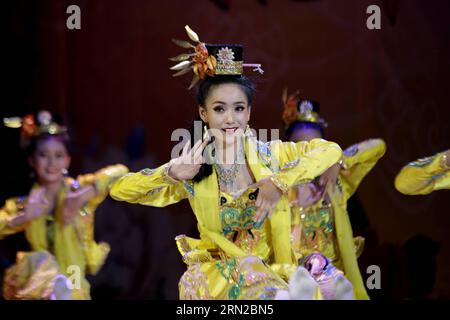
193	284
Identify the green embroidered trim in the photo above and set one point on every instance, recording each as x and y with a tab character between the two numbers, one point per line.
189	186
233	220
264	152
147	171
154	191
321	218
291	164
422	162
228	270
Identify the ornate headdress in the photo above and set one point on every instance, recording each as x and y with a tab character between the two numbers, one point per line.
32	126
209	59
297	109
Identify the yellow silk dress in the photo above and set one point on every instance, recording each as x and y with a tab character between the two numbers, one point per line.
324	227
56	248
424	176
234	258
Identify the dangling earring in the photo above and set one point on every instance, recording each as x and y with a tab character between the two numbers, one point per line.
205	133
65	172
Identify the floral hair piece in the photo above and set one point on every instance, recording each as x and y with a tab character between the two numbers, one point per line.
209	59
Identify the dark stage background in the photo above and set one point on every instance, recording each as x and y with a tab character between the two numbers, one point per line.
111	82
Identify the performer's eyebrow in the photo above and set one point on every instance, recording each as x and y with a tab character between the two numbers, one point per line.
222	102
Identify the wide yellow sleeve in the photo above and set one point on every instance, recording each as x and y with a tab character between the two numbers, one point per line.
12	208
424	176
152	187
95	253
102	180
357	161
303	161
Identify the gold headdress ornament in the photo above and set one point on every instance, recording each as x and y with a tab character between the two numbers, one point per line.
208	59
33	127
296	109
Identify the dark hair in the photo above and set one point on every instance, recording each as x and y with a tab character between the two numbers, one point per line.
31	147
299	125
205	169
202	93
203	89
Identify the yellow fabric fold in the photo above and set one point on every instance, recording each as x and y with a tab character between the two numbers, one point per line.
424	176
344	235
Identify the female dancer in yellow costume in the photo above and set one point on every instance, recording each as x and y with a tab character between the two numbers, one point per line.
237	187
57	217
320	222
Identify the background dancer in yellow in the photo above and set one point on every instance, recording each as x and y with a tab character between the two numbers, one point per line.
320	222
57	217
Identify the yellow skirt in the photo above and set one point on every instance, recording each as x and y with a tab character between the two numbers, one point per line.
237	278
37	276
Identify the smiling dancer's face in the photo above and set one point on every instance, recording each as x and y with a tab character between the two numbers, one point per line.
49	160
226	111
